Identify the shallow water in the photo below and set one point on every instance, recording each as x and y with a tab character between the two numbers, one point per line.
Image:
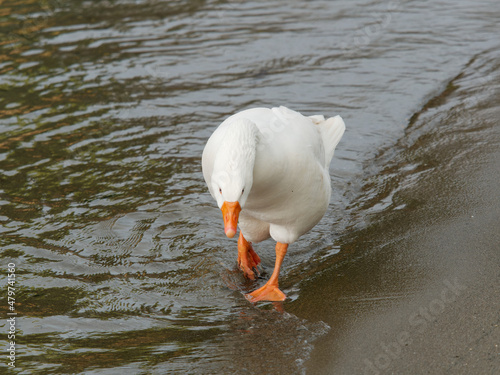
105	107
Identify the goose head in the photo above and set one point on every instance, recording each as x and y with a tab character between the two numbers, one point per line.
232	176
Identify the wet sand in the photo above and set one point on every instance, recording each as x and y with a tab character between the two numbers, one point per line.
449	323
417	291
122	263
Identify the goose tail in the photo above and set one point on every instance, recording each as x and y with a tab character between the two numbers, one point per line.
331	130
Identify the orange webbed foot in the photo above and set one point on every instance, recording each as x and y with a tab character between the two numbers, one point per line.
248	260
268	292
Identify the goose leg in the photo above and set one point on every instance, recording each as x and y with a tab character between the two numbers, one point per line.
270	291
248	260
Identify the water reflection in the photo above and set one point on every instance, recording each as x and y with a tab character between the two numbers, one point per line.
104	111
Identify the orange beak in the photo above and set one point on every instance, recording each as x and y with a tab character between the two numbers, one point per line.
230	214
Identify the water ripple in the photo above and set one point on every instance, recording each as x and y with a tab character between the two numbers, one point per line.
105	108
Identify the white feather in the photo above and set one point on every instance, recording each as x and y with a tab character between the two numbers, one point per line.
275	163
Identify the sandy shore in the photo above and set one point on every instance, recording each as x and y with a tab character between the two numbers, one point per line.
418	291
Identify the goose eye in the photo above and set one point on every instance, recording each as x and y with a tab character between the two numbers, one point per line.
220	190
242	191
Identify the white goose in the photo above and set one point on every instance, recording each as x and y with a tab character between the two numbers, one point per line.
269	168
